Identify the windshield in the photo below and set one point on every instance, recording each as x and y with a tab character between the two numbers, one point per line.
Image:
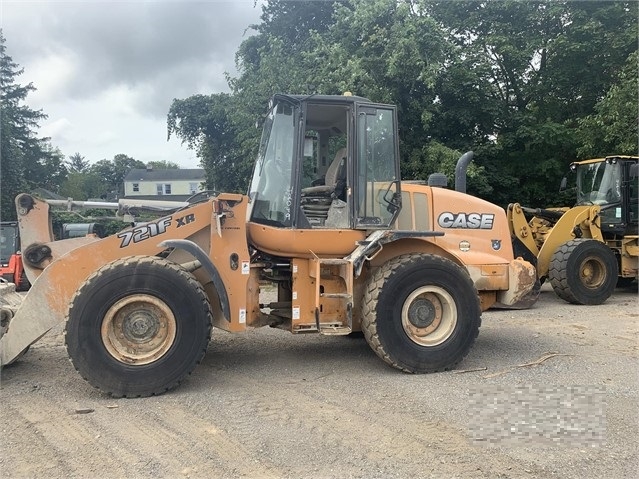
271	187
598	183
8	246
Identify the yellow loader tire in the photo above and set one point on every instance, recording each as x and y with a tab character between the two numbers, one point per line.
421	313
138	326
583	271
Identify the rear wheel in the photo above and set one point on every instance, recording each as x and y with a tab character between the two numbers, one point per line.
583	271
421	313
138	326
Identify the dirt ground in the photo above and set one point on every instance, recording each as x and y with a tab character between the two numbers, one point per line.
270	404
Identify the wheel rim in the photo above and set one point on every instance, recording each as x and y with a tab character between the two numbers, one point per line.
138	329
592	272
429	316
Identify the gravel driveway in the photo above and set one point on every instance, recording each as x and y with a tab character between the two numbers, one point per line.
547	392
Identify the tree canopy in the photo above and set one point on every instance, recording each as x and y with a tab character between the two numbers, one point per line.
103	179
76	163
529	86
613	127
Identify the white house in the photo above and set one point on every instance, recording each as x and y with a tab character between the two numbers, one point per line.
173	184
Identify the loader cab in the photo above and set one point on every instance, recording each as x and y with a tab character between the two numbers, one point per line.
611	183
326	162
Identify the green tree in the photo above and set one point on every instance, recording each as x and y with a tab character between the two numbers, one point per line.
613	128
163	165
207	124
19	144
386	50
76	163
520	77
11	170
294	21
391	52
221	127
44	166
112	173
84	185
510	80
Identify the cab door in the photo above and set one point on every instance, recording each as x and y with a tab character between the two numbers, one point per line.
377	186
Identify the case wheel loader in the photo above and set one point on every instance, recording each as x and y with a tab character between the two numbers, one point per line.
589	249
327	222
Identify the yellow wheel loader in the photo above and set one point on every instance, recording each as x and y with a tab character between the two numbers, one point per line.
587	250
326	221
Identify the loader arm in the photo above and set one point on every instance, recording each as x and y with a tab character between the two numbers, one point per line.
58	276
578	222
36	229
520	229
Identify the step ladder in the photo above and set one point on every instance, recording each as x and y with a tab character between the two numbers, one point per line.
343	300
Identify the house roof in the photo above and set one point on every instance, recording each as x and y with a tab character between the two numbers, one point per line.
157	197
174	174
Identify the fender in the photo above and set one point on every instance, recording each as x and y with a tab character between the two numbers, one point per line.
377	239
199	254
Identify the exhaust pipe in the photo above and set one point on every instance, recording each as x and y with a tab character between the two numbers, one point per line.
460	171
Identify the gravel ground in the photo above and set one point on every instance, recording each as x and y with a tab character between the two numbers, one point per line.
548	392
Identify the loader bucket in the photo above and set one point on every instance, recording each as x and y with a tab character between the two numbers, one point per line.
34	313
44	305
26	318
9	304
26	321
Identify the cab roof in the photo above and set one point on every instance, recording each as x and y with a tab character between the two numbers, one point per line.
344	99
607	158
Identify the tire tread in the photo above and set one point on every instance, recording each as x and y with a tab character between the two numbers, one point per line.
370	301
559	274
191	281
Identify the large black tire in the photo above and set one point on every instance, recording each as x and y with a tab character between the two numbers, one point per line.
583	271
138	326
421	313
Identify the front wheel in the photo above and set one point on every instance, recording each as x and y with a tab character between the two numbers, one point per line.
583	271
421	313
138	326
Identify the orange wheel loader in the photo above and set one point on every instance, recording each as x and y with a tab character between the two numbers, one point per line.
326	221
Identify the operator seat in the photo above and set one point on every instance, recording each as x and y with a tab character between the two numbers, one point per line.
316	200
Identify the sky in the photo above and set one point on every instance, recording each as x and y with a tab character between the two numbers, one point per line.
106	72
